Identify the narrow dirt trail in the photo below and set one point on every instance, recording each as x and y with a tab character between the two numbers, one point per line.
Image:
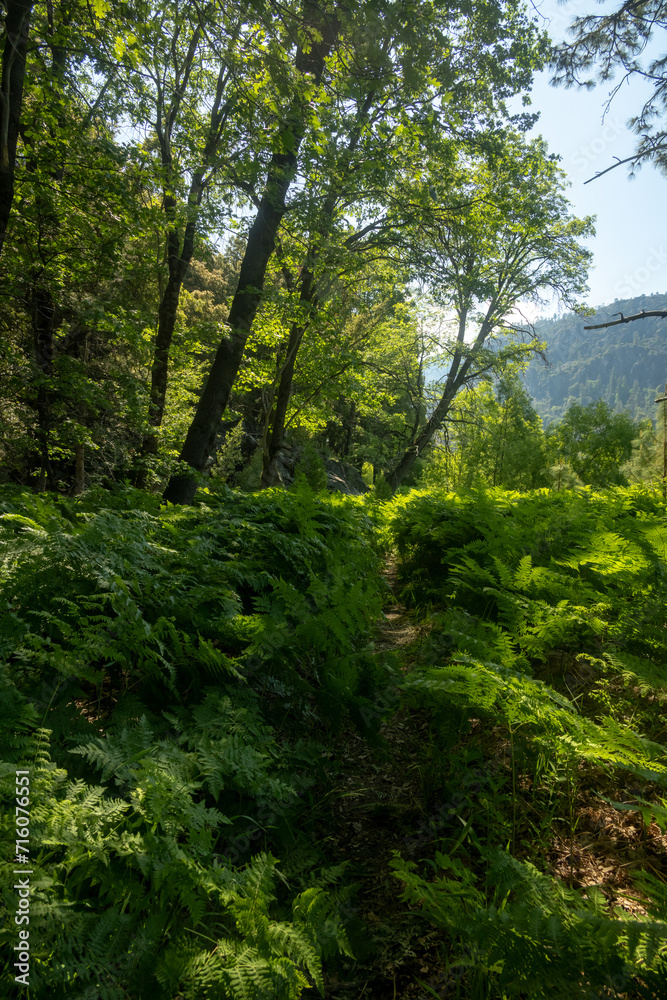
396	630
377	810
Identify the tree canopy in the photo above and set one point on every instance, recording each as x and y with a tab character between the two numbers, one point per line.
328	160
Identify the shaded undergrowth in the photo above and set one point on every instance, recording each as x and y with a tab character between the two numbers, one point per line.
171	680
248	781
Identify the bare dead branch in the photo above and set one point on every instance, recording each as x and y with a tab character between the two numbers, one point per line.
644	314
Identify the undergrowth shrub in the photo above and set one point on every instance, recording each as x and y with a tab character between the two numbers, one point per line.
540	573
167	676
519	583
277	590
310	469
519	592
517	932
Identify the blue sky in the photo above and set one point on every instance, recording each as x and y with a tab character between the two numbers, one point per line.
630	248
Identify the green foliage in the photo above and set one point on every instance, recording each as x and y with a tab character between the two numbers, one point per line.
550	721
229	456
578	546
595	442
512	240
381	488
175	678
310	469
494	438
166	675
248	479
103	232
130	895
520	933
519	585
128	608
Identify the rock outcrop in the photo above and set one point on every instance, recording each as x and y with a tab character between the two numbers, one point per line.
344	478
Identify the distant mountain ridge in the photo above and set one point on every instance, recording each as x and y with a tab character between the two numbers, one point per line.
625	365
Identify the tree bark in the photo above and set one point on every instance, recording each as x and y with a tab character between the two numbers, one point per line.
201	437
270	473
43	324
17	26
459	374
178	261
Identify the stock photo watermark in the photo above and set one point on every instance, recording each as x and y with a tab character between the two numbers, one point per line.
631	283
581	162
22	885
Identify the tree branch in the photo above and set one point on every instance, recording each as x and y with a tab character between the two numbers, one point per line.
644	314
619	163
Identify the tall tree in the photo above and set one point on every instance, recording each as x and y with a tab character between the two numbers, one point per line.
77	207
494	235
412	63
395	100
276	415
495	437
190	88
16	29
595	442
319	31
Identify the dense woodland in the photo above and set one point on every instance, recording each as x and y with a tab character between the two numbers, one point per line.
325	663
626	365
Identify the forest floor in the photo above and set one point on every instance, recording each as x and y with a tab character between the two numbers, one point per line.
383	802
377	809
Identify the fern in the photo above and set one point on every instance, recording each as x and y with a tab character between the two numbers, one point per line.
515	580
530	934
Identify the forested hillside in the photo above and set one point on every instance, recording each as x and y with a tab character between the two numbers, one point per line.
624	365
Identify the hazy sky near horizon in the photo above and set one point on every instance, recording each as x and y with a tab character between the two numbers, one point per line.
630	248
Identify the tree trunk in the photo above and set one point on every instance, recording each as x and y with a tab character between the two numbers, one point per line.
43	323
17	26
270	474
406	463
459	374
307	299
178	263
201	437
